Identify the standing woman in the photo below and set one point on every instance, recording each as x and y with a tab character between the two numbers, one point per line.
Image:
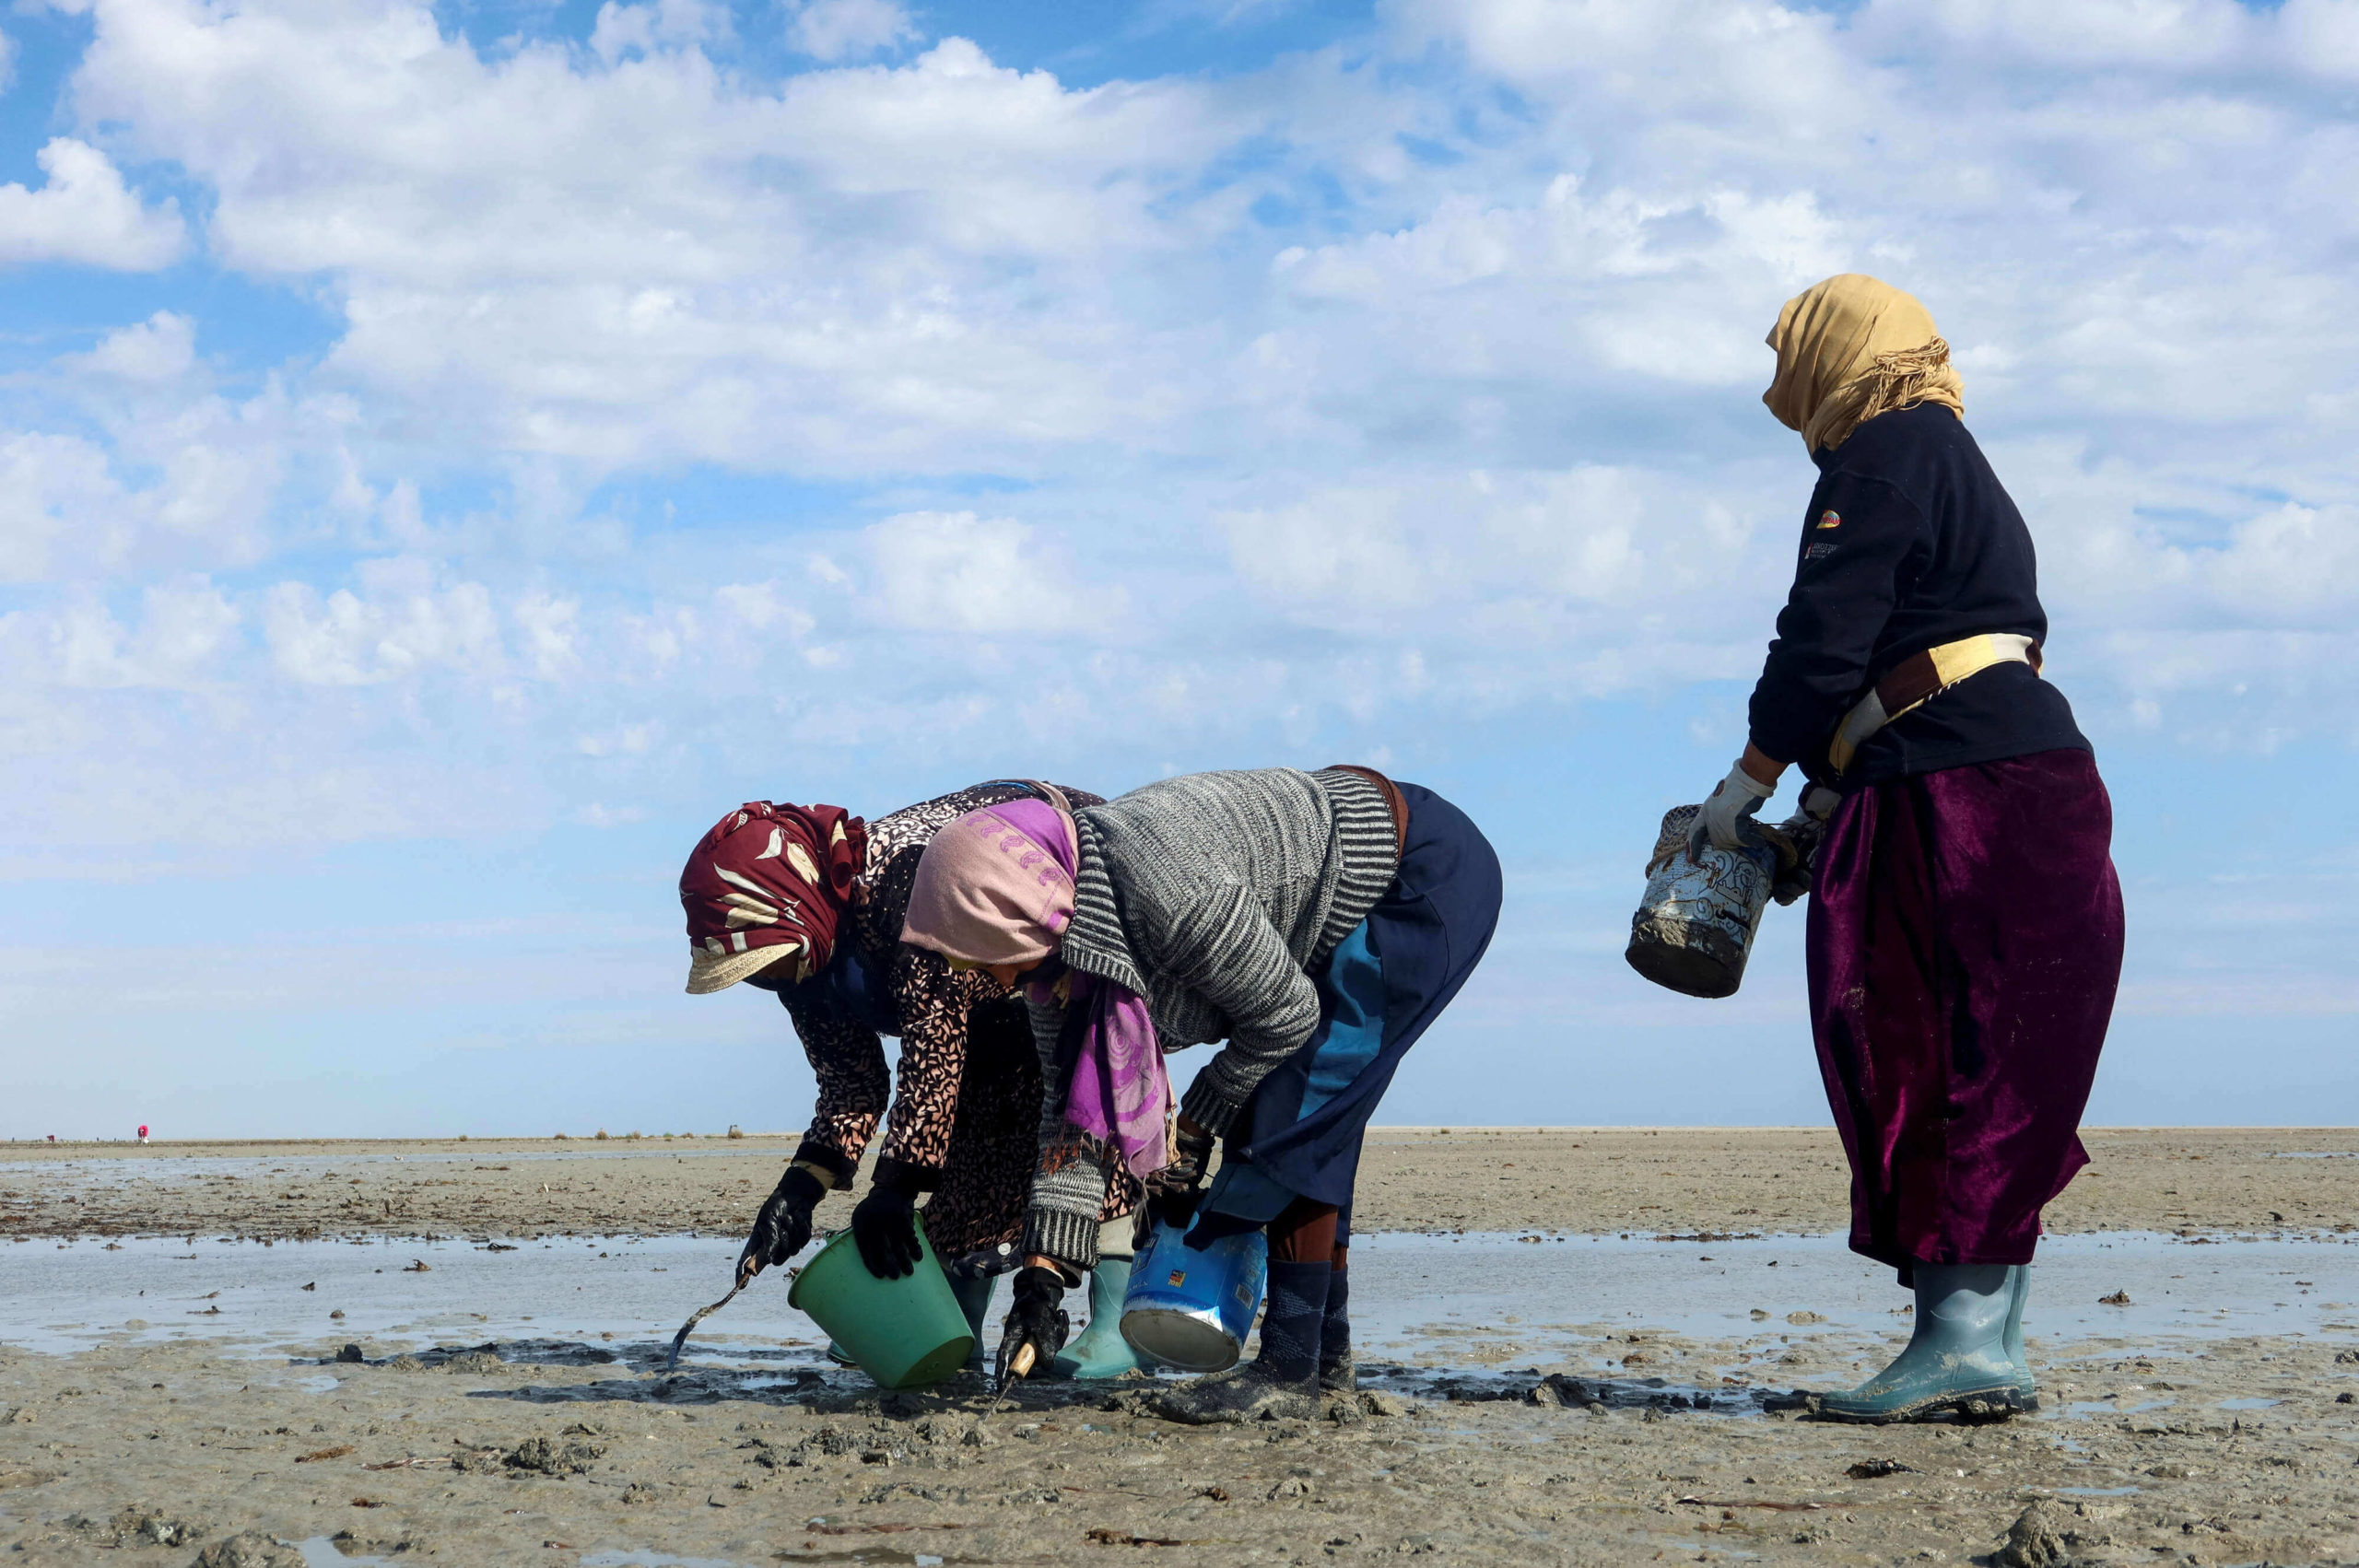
772	893
1317	922
1966	926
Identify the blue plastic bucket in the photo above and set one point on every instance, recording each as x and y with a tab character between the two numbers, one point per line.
1193	1309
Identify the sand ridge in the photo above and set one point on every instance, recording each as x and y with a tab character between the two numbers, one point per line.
1587	1180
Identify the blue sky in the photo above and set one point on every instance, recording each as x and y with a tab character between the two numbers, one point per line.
449	455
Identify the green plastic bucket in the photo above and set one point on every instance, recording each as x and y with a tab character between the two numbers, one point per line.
905	1333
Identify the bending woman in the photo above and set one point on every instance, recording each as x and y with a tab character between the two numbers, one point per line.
770	893
1965	925
1317	922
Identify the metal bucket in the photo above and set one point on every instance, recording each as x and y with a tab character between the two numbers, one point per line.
1193	1309
1695	923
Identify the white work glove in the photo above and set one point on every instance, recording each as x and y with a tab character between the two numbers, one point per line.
1734	800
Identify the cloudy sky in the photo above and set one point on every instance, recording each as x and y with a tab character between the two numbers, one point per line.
449	454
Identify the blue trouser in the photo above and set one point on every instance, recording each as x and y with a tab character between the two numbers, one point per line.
1300	1135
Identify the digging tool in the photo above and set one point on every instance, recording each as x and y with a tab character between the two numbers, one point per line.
1019	1366
745	1277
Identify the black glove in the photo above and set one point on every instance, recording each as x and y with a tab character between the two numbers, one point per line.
1796	840
1174	1191
783	1227
884	1228
1038	1319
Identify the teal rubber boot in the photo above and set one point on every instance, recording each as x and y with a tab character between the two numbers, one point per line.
2019	1282
975	1300
1957	1358
1100	1351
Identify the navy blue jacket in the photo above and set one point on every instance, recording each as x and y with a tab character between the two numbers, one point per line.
1909	541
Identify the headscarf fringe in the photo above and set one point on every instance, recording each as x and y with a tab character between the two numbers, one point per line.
1902	379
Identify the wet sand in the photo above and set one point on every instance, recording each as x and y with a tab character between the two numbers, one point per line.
1577	1180
575	1448
511	1455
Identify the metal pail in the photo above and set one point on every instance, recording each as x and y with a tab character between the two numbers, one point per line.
1193	1309
1695	923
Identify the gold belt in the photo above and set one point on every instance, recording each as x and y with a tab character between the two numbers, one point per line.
1919	678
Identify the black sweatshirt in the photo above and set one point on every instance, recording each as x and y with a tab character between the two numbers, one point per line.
1910	543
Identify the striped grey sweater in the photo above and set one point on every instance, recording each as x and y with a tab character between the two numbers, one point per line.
1212	896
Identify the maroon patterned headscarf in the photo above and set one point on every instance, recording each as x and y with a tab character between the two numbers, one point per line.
767	885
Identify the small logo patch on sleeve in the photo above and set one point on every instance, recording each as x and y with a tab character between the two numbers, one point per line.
1830	517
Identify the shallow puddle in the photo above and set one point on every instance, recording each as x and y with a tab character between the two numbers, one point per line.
1490	1285
1478	1305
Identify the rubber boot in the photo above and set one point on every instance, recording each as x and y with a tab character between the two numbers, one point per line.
1956	1358
1282	1379
1337	1372
1099	1350
839	1355
974	1297
2019	1280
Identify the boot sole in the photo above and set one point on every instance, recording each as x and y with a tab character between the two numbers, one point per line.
1998	1404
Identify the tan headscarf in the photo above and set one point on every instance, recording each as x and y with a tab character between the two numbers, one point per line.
1853	347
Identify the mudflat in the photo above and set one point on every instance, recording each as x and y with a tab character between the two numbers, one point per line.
147	1454
1586	1180
1575	1401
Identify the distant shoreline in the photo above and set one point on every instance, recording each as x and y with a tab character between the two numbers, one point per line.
480	1140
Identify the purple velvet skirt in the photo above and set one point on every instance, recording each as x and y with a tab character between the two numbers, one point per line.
1965	944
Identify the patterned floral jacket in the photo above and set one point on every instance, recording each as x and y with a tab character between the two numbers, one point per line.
925	1000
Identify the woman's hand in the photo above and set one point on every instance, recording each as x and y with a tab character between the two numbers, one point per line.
1752	780
1174	1191
884	1227
1037	1318
783	1226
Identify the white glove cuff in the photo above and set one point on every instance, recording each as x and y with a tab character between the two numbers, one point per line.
1746	783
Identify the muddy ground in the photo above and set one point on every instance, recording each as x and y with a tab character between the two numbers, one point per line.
2213	1451
1577	1180
148	1454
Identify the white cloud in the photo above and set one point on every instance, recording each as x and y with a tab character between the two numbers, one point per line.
51	486
162	348
664	24
1596	580
150	470
847	29
955	572
652	259
1392	399
1669	288
399	623
626	740
176	643
83	213
1332	383
549	628
762	606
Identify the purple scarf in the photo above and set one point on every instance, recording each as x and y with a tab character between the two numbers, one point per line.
1121	1091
